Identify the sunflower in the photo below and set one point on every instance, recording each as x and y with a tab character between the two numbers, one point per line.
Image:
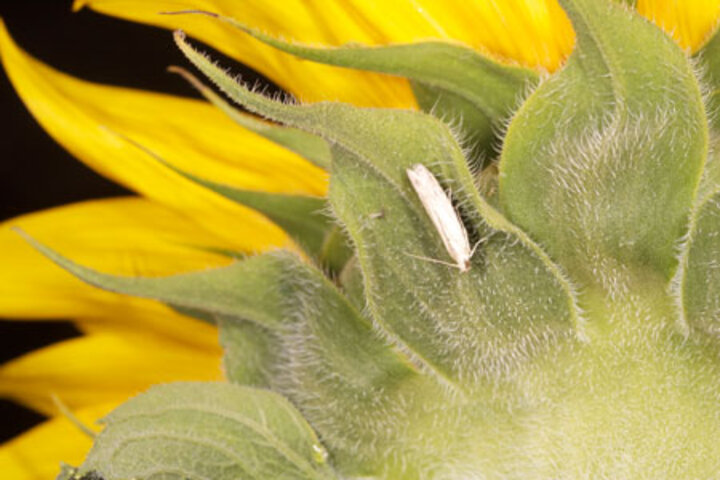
175	225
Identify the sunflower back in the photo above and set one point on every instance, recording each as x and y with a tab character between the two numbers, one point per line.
571	331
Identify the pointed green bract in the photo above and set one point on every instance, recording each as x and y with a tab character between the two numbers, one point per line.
251	289
602	162
301	216
308	146
451	80
196	431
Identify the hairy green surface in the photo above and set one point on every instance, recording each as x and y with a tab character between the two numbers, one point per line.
450	80
581	343
195	430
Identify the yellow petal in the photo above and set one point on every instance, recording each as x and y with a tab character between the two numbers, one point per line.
130	236
160	323
102	368
78	114
38	453
534	33
689	22
189	133
125	236
293	19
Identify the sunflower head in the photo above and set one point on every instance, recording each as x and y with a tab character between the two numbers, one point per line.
517	277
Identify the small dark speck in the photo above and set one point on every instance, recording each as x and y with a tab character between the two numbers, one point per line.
91	476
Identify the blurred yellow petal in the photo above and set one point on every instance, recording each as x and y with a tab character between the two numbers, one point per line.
38	453
102	368
130	236
293	19
76	114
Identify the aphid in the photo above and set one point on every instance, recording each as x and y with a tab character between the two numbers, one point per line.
443	215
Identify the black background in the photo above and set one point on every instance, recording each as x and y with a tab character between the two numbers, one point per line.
35	172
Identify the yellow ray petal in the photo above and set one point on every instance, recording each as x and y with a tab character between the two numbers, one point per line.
130	236
102	368
78	114
126	236
37	453
295	19
535	33
161	323
689	22
191	134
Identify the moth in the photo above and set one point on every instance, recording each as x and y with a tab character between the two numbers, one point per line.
443	216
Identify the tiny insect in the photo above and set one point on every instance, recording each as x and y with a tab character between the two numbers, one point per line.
443	216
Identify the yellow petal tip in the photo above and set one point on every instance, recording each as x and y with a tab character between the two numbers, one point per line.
78	5
3	28
7	44
8	47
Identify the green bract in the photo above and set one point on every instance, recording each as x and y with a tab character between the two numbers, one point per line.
583	340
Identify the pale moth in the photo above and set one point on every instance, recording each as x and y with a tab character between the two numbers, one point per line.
443	215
